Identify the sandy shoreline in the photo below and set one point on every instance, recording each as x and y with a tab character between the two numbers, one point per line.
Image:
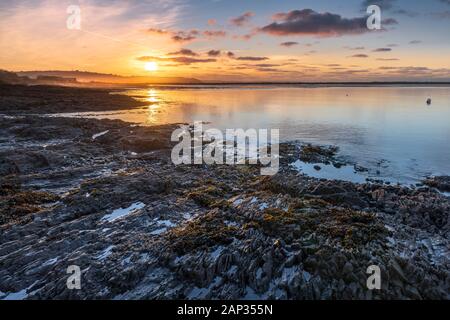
104	195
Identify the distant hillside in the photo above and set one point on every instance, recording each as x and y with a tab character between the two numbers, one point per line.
12	78
83	76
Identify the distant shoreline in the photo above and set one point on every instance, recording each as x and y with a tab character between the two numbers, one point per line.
205	85
337	84
326	83
215	85
293	84
108	81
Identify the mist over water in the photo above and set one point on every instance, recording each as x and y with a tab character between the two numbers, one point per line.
390	130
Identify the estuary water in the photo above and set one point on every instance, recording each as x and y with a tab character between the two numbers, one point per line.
389	129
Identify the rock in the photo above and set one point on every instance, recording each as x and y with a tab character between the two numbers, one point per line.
396	271
141	145
378	195
326	188
440	183
348	268
318	154
413	293
359	168
216	232
7	167
28	161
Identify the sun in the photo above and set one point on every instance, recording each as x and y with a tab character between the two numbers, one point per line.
151	66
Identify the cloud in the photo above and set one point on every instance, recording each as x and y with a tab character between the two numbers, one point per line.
108	30
212	22
230	54
187	60
148	58
266	65
388	5
411	14
359	56
252	58
242	19
389	22
184	52
415	42
178	60
214	53
310	22
383	4
355	48
181	38
248	36
177	36
273	70
158	31
382	50
289	44
417	71
441	15
388	59
214	34
186	36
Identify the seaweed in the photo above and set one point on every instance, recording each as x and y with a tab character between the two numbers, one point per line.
19	206
206	231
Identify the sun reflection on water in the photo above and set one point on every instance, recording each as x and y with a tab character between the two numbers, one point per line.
152	96
154	107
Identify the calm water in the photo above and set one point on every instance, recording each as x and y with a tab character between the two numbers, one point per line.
388	129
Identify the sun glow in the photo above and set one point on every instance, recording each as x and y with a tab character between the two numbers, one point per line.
151	66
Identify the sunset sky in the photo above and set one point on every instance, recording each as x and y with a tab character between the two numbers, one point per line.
231	40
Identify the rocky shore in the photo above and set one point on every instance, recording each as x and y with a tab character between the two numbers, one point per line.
105	196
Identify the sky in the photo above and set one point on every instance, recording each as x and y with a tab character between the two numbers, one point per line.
230	40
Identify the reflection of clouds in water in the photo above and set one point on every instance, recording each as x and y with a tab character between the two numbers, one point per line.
368	124
327	133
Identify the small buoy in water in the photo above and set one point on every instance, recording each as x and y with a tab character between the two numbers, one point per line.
429	101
